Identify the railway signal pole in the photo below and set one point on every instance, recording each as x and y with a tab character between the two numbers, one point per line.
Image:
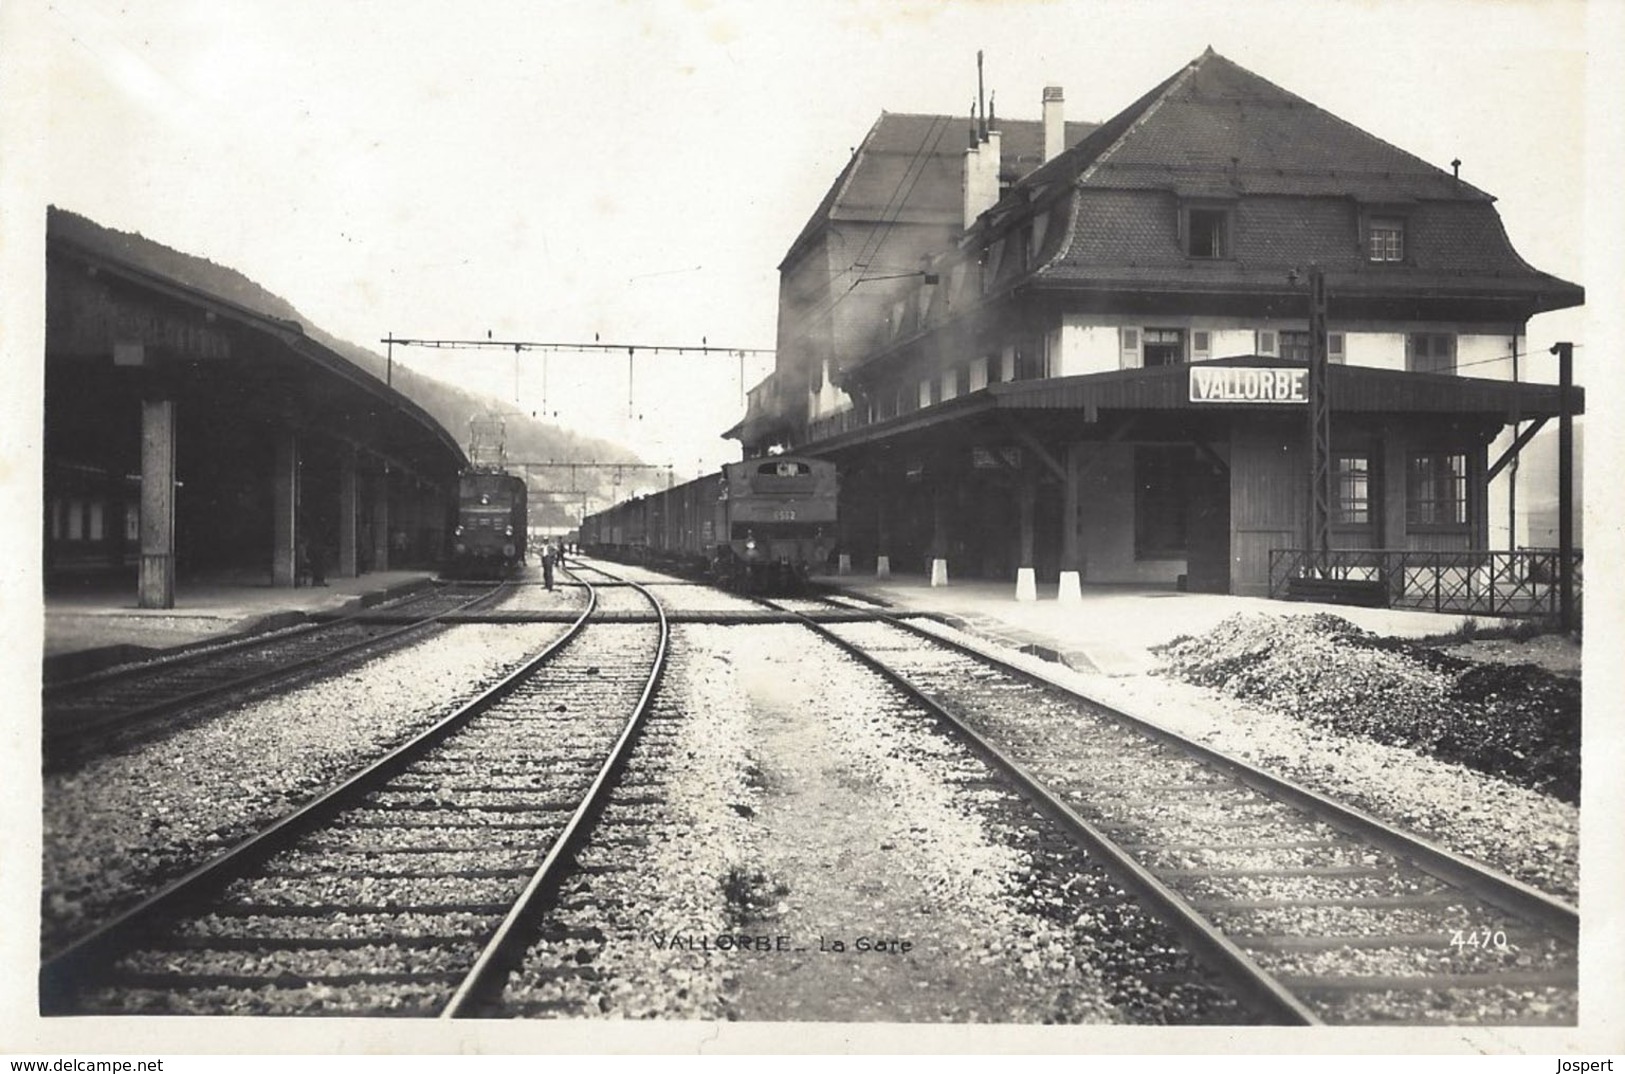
1319	532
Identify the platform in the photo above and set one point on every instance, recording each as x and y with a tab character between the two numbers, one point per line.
93	626
1111	629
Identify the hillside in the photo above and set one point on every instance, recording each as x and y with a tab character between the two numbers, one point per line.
449	405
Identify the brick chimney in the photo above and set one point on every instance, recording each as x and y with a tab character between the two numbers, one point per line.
1054	122
981	180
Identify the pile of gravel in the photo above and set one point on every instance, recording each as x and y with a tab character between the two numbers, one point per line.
1517	722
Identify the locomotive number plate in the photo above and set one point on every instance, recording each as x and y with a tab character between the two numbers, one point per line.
784	514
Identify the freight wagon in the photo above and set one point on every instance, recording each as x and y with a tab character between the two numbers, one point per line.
759	525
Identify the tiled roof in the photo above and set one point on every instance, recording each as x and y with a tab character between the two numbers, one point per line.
909	168
1219	121
1298	177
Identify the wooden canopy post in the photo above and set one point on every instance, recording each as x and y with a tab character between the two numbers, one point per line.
1026	576
157	579
284	509
1070	588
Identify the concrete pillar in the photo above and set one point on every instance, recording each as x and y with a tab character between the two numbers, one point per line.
882	566
939	571
284	511
843	564
349	495
380	521
1026	584
157	577
1069	591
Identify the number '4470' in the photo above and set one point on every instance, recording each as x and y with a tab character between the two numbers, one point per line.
1464	938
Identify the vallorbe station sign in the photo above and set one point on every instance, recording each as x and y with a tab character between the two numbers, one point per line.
1248	384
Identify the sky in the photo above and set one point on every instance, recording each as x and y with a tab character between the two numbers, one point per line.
634	172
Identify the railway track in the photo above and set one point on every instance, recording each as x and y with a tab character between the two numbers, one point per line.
1315	912
412	887
85	716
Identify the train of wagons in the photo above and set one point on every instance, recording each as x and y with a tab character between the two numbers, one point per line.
489	529
760	525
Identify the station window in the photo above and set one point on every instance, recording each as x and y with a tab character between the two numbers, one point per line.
1430	352
1207	232
1436	490
1295	345
1161	502
1385	239
1299	347
1351	484
1163	346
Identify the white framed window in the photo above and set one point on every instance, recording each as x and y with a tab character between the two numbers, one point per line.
1335	352
950	384
1385	239
1267	342
1007	363
95	532
1436	490
925	393
1351	480
1129	342
76	520
1201	344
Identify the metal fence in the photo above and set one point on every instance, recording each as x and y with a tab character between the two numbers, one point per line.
1523	584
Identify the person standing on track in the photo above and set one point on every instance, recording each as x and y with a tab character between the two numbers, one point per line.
548	556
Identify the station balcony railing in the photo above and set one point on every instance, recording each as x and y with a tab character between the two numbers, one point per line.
842	421
1524	584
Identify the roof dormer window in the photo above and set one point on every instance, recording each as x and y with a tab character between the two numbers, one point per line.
1205	231
1385	239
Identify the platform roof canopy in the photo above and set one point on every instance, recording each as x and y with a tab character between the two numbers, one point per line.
1205	396
127	315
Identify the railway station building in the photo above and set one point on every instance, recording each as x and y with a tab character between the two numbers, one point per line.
194	428
1081	354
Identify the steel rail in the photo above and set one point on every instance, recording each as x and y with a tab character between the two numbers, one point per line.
1507	893
200	651
64	738
61	973
1255	985
483	984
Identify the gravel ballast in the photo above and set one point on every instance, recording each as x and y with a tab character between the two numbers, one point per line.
874	870
122	825
1521	832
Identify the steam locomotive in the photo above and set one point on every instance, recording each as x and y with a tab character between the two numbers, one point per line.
761	525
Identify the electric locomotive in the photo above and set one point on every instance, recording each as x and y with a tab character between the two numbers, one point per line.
759	525
489	532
